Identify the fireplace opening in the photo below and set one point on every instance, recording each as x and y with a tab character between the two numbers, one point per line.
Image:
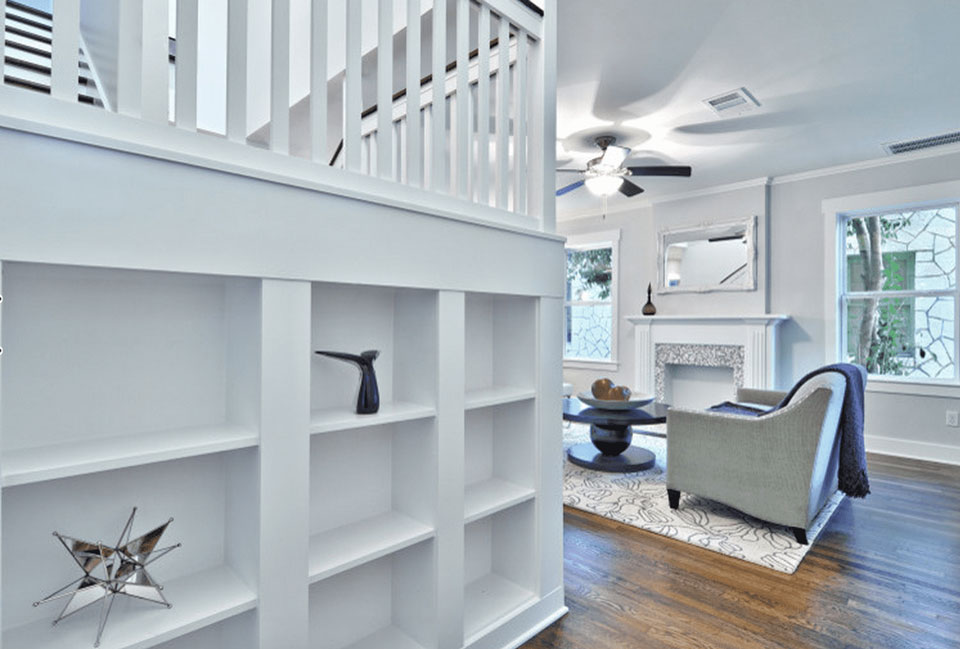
698	386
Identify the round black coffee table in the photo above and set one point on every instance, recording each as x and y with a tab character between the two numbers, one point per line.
610	432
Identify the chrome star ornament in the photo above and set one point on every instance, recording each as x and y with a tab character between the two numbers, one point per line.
109	571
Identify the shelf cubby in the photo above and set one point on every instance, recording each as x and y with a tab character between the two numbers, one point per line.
370	495
238	632
210	579
499	458
388	603
107	368
500	568
500	349
401	324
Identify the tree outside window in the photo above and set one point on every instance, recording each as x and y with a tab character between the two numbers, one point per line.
589	303
900	292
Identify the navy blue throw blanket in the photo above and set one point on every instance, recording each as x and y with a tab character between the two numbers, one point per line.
852	475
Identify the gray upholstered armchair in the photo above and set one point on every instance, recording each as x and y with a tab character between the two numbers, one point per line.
781	467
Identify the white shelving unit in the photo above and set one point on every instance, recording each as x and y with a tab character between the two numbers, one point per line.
501	352
210	579
500	466
369	494
303	524
127	388
500	568
401	324
388	603
114	368
203	599
499	460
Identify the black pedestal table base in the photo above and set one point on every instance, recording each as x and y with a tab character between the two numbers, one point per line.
610	435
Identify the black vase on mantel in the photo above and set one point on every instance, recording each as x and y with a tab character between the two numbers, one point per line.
368	400
648	308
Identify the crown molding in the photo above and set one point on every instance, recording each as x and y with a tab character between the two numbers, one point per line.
873	163
649	202
949	149
710	191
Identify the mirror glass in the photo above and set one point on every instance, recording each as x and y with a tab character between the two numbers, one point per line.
715	258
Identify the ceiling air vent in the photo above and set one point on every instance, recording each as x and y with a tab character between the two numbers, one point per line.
895	148
735	102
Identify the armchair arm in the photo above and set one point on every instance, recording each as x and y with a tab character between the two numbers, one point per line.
760	465
764	397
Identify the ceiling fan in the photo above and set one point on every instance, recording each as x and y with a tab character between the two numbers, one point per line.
605	175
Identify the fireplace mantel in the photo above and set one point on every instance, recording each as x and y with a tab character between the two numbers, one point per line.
755	334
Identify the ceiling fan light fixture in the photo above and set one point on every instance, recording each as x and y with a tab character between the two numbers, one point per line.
604	185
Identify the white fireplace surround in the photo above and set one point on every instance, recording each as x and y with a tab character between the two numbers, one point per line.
745	343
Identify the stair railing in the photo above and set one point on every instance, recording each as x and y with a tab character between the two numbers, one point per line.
482	134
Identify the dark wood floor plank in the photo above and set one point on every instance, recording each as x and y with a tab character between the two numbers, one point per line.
884	574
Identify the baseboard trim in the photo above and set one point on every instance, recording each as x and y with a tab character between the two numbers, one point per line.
927	451
550	619
525	624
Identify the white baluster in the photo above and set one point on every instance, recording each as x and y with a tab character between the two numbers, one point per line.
373	139
130	57
400	145
142	60
352	95
280	76
463	98
542	121
238	10
483	107
414	139
385	89
64	63
155	62
503	117
186	66
520	125
438	173
318	80
427	145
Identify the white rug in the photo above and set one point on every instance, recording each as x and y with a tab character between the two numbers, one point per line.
640	499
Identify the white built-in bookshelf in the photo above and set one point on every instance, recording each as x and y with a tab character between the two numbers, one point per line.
198	397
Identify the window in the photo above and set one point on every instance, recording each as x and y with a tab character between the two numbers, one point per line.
898	292
590	313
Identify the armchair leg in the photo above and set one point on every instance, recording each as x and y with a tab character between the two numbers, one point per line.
800	534
674	496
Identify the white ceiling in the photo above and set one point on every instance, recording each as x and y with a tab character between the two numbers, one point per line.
835	79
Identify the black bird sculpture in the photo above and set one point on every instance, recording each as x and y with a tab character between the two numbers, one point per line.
368	400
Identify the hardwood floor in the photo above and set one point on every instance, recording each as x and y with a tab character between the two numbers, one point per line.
885	573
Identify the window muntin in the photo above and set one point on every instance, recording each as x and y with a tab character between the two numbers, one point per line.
589	311
899	292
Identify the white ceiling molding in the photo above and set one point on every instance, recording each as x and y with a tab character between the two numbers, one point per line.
946	150
709	191
648	202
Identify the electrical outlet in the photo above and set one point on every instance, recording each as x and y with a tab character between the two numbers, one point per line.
953	418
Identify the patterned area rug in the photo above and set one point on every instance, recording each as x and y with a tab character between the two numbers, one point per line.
640	499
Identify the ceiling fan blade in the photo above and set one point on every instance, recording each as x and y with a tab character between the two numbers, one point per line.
613	156
629	189
569	188
661	170
579	171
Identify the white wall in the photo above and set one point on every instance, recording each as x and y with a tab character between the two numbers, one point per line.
895	423
638	265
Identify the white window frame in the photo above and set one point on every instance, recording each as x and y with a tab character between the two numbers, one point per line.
592	241
837	211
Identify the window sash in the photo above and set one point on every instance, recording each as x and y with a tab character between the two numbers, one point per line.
845	295
604	240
